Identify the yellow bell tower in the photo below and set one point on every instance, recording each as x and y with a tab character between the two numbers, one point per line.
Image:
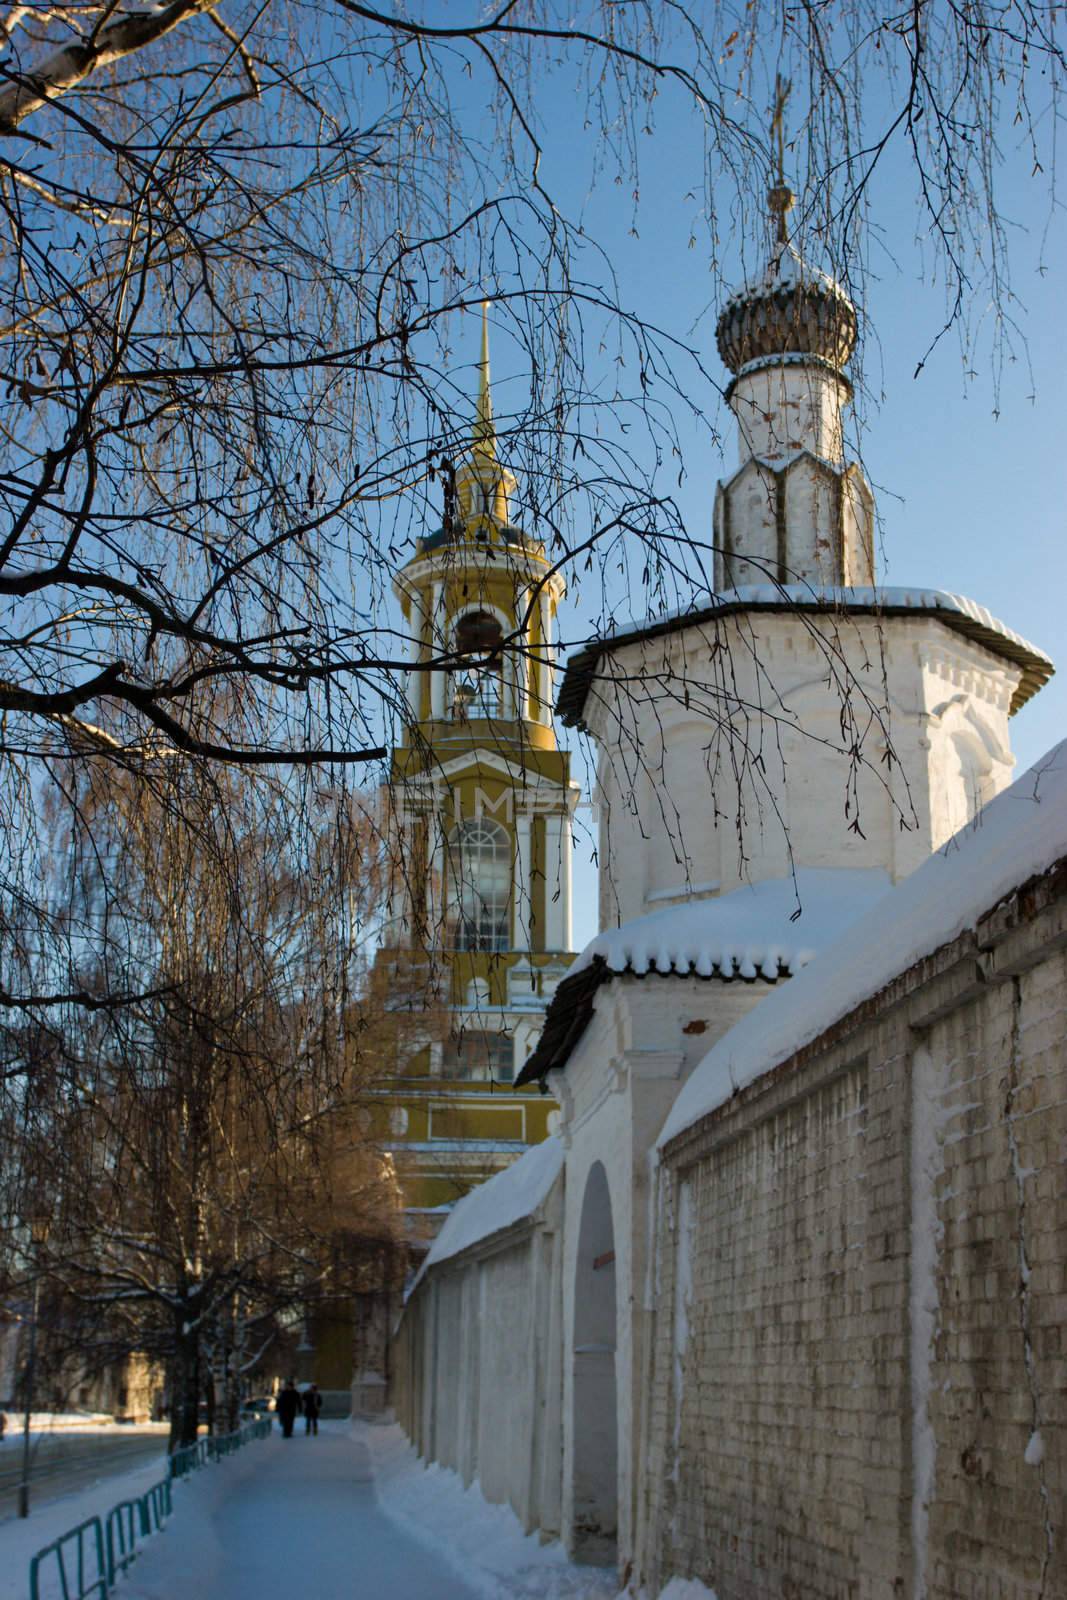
482	802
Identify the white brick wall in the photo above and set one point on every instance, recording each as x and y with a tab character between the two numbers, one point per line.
476	1366
875	1327
876	1322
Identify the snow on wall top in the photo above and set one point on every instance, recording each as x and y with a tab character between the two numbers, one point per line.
504	1200
820	594
1021	833
755	931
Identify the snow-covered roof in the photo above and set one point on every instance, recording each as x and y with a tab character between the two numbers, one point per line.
786	269
955	610
761	930
887	598
1022	833
505	1199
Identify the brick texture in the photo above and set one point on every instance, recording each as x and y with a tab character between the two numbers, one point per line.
863	1390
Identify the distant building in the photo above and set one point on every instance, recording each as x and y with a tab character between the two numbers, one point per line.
130	1387
481	801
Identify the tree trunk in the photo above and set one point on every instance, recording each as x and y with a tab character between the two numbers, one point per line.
185	1379
235	1366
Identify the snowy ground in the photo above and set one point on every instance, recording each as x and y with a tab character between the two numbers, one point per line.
284	1518
22	1538
350	1512
483	1542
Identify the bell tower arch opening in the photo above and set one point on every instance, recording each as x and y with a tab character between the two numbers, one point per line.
595	1409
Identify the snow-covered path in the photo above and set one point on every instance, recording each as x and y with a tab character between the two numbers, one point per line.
288	1519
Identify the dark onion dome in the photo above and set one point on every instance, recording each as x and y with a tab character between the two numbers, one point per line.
792	310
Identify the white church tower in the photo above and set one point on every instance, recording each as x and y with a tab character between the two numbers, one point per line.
794	511
769	764
798	716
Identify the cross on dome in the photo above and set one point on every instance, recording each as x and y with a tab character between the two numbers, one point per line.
484	426
780	197
793	309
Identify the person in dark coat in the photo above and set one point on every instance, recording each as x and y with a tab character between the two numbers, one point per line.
312	1407
287	1405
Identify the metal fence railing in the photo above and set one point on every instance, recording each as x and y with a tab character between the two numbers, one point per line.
186	1460
85	1563
121	1527
157	1505
77	1563
216	1445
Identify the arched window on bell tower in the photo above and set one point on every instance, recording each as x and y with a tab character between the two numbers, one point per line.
480	896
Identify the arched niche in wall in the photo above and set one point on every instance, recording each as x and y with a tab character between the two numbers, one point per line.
595	1431
477	996
970	761
826	769
970	783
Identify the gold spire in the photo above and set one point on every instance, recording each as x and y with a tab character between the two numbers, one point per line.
483	485
484	428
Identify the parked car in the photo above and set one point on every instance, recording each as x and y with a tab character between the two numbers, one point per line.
257	1404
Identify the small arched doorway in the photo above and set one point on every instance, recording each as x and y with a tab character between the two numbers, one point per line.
595	1418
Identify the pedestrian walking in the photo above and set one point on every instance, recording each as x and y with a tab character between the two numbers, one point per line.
312	1407
287	1406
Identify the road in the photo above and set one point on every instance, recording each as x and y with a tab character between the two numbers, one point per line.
63	1463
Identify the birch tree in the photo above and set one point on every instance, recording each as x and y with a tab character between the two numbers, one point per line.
236	243
205	1157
